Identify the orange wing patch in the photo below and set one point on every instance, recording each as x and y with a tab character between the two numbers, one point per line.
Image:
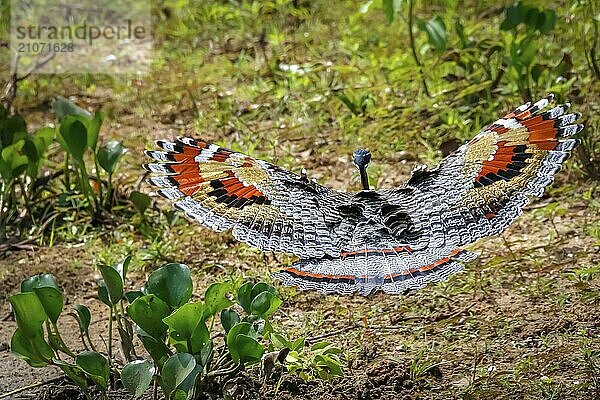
197	169
521	138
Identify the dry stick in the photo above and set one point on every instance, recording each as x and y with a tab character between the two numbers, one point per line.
388	327
32	386
22	244
10	91
508	247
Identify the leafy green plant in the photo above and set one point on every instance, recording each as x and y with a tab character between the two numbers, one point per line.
38	341
187	350
177	332
525	23
435	29
22	155
78	136
111	293
357	105
436	32
322	361
421	365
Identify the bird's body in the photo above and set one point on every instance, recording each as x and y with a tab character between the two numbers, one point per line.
392	240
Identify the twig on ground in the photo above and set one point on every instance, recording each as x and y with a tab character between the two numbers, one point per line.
22	245
357	325
32	386
333	333
225	372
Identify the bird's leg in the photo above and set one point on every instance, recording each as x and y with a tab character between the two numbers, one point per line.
364	180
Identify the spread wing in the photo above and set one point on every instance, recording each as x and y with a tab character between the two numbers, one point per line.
264	205
480	189
391	240
416	234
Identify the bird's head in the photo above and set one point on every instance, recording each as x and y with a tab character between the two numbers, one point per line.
361	158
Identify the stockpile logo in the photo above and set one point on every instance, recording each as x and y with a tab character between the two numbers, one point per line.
65	36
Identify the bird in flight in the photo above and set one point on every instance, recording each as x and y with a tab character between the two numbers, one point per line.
391	240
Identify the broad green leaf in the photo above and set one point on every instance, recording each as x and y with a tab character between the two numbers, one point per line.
547	21
103	293
206	354
261	303
38	281
515	14
157	349
95	366
148	312
140	200
84	317
110	154
31	151
523	53
114	283
13	161
184	319
74	136
265	304
244	296
172	283
137	377
123	267
532	17
249	350
537	70
75	373
298	344
29	313
390	7
325	348
94	126
436	32
43	138
64	107
333	366
35	148
216	299
188	384
187	328
242	328
175	370
132	295
279	342
229	318
292	357
261	287
52	301
12	129
36	352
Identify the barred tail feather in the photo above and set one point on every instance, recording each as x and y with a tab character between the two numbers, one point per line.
390	274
